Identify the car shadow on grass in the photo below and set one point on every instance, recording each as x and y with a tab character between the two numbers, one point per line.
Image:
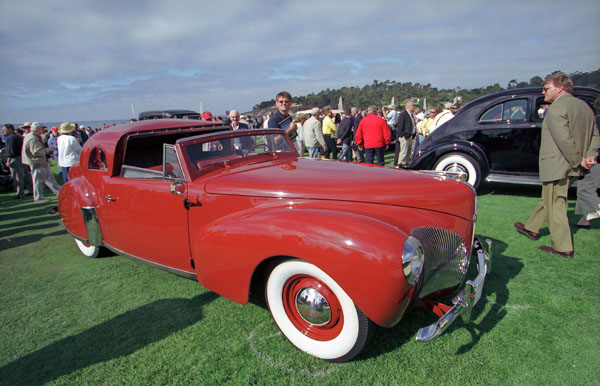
14	242
504	269
120	336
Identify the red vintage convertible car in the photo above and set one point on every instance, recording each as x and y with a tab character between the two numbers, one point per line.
337	247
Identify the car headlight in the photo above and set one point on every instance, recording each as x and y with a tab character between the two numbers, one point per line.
413	256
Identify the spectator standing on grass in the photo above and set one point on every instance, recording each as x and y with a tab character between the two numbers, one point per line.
14	146
405	134
313	135
374	136
345	136
588	202
281	118
391	116
569	144
300	118
53	141
329	133
68	149
82	136
427	126
35	155
358	155
235	121
443	117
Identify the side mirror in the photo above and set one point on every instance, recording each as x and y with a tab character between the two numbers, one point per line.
178	188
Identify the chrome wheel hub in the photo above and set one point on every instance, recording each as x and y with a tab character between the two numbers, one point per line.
313	306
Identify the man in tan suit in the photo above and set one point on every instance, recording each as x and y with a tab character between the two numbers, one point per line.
569	145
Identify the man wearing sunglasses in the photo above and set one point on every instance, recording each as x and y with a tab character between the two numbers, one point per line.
282	118
568	146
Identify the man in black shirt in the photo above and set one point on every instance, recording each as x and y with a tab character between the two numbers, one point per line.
282	118
14	144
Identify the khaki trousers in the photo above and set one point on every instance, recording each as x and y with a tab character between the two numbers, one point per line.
552	208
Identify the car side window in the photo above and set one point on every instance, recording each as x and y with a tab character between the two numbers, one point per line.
515	110
97	160
512	110
492	115
171	167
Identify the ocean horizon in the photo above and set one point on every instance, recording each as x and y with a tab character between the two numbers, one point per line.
93	124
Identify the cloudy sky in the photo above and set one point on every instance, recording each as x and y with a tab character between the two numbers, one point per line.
91	60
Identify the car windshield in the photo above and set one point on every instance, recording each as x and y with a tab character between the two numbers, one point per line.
203	154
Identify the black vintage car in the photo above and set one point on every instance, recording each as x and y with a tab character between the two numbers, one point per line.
185	114
495	137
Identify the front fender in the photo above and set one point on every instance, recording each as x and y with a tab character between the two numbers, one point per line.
363	255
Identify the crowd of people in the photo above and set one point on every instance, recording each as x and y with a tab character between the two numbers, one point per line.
29	151
322	131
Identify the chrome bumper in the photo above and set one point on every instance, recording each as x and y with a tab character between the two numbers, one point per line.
467	298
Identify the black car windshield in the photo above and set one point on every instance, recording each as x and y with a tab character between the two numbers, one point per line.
203	154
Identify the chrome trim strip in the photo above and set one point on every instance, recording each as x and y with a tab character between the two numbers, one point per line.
466	299
178	272
92	227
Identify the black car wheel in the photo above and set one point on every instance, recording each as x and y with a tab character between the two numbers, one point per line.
459	162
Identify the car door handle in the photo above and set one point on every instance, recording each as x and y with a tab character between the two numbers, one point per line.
109	198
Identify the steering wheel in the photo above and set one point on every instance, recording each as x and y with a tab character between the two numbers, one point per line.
256	146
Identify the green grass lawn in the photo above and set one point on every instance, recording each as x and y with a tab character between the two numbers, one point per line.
70	320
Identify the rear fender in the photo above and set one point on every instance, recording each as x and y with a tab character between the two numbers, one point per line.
363	255
428	158
77	203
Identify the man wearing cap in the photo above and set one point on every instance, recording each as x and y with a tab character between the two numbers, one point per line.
313	134
68	149
207	116
35	155
53	141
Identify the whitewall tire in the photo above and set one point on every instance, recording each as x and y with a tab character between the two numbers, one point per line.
314	312
458	162
88	250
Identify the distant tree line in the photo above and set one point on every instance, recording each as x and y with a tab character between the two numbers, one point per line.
381	93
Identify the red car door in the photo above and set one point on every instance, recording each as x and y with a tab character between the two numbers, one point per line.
141	218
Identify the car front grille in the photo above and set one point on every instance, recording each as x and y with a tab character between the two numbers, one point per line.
446	258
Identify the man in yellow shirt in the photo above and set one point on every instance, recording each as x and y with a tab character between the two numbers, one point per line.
329	133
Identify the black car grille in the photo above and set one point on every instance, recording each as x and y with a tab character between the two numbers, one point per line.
446	258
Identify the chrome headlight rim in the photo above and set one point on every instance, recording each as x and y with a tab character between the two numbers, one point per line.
413	260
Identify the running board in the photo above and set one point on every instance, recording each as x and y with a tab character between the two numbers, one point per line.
512	179
521	180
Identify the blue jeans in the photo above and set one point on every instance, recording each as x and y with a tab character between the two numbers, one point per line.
371	152
64	172
313	151
346	152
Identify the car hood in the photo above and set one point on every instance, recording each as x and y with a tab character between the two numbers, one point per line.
342	181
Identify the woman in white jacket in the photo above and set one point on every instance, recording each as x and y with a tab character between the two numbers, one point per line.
68	149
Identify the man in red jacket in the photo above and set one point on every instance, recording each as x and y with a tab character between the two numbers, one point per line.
374	132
